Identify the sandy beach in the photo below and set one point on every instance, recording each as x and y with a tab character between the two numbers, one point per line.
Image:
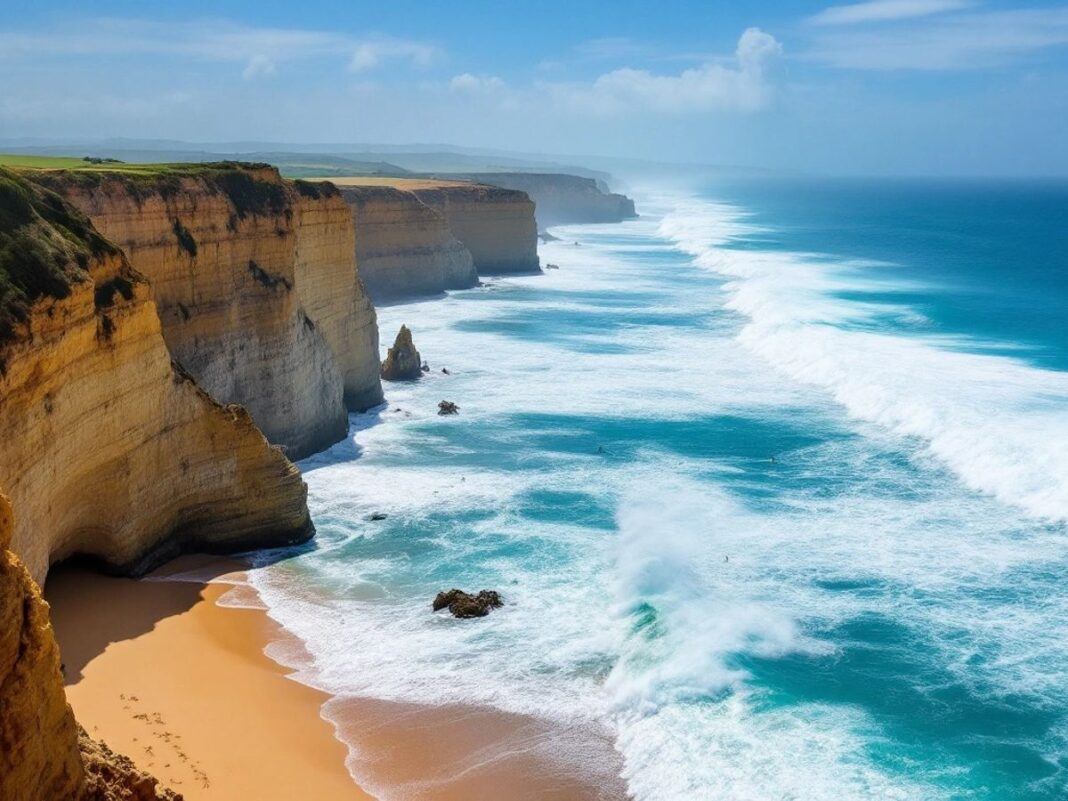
163	673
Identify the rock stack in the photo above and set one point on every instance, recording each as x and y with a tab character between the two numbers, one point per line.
402	361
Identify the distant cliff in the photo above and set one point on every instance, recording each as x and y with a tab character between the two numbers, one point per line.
110	450
561	198
404	247
497	225
256	285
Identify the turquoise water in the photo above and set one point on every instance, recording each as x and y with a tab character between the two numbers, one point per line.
774	481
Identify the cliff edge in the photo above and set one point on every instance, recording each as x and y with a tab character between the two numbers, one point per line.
44	755
404	248
110	450
256	286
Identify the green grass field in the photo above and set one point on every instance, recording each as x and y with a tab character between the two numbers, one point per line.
30	162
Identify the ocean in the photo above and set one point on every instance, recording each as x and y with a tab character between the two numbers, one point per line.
774	483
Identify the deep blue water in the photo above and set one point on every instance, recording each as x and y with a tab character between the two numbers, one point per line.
774	481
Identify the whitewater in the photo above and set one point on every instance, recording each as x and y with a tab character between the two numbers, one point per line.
755	518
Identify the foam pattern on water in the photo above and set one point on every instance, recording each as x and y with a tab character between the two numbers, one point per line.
724	531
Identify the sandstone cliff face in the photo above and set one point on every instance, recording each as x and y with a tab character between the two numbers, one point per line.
44	755
39	759
109	449
256	286
561	198
404	248
496	225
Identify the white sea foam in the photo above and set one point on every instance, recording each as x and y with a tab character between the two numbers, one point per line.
998	423
719	577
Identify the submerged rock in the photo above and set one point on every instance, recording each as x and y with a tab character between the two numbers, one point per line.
402	361
463	604
448	407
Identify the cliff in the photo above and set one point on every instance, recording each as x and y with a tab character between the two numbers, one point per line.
496	225
404	247
44	756
255	282
561	198
110	450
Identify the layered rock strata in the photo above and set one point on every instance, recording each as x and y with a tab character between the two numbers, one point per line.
496	225
405	248
110	450
256	285
44	755
561	198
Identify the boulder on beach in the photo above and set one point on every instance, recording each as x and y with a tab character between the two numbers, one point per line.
448	407
462	604
402	360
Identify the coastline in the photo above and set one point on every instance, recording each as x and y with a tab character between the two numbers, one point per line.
161	671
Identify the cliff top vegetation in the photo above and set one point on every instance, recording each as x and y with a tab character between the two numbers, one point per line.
45	247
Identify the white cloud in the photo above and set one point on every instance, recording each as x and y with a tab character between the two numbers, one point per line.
260	49
956	42
370	54
885	10
467	83
258	66
742	85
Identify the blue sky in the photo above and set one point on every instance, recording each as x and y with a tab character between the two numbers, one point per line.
888	86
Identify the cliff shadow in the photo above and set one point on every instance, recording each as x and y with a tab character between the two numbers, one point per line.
91	611
348	450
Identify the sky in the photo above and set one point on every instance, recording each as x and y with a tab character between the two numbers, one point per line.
969	87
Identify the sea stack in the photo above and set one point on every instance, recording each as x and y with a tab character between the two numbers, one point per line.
402	361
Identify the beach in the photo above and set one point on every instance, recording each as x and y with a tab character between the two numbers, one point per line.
162	672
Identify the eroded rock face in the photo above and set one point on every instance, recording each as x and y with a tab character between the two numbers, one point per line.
561	198
462	604
110	450
496	225
402	360
256	286
404	248
44	754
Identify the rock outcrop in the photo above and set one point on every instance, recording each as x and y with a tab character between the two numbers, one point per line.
256	285
404	248
561	198
496	225
44	755
403	362
109	449
462	604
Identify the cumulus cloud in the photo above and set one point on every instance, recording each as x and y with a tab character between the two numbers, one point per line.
885	10
742	84
467	83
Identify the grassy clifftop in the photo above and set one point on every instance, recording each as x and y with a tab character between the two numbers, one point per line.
45	247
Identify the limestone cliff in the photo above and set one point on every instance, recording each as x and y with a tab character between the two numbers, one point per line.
405	248
561	198
496	225
110	450
256	286
44	756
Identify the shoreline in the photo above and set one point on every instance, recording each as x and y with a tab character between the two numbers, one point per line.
161	671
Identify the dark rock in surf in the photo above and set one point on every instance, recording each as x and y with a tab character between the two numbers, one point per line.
448	407
462	604
402	361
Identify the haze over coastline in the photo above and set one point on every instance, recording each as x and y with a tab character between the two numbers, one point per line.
572	401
